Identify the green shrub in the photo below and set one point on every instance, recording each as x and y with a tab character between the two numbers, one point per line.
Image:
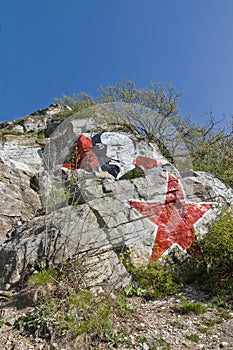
81	315
123	303
225	315
117	338
133	174
86	314
39	278
41	319
131	290
23	188
193	337
203	329
154	280
213	272
187	308
217	248
41	135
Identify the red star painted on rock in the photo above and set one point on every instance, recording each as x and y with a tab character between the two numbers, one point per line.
175	219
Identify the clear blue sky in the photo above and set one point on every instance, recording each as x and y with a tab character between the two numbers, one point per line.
50	47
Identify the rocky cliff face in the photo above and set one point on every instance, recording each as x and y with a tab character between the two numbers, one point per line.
43	120
102	190
20	161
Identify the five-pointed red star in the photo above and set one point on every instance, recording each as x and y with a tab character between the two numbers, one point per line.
175	219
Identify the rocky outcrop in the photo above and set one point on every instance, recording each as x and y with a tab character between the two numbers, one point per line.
21	152
67	233
53	109
19	202
20	160
44	120
106	191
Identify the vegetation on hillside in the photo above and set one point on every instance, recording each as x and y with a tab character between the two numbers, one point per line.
65	310
214	272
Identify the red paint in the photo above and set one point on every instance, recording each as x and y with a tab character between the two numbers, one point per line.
146	163
83	155
175	219
67	166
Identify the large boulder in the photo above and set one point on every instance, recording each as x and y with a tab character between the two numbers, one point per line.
65	234
106	191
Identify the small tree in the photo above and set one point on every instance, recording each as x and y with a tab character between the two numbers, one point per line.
76	102
214	271
160	98
210	147
218	250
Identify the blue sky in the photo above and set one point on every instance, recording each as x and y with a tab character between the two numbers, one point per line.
51	47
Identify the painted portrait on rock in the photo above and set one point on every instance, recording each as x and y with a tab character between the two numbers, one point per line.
109	151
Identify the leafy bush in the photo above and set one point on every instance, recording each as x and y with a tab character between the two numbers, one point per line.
179	324
131	290
154	280
203	329
218	249
39	278
86	314
117	338
41	320
211	149
193	337
76	102
214	271
187	308
133	174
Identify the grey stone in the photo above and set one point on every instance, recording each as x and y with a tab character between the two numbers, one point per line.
46	119
62	235
88	212
19	203
21	152
203	186
153	186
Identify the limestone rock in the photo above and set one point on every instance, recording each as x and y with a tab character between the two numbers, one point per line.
20	160
45	119
34	124
65	234
202	186
104	191
53	109
21	152
19	202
